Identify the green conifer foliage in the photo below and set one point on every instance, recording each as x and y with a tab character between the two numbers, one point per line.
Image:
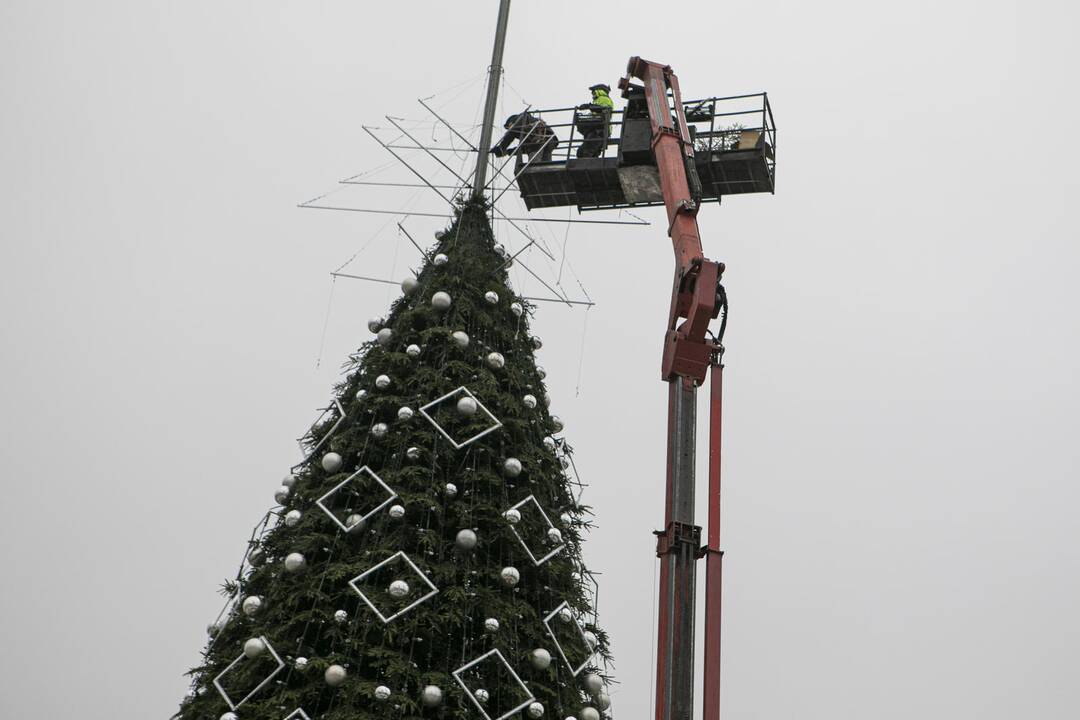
424	645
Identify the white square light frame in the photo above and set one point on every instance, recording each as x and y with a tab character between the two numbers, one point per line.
477	703
260	686
346	481
474	438
297	714
335	404
558	645
551	526
400	554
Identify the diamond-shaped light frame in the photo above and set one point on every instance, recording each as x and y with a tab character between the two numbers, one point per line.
558	645
297	714
335	404
260	686
400	555
391	497
495	651
474	438
513	529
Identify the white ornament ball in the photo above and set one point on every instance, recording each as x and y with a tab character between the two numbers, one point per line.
229	716
603	700
517	309
379	430
257	556
510	576
491	625
541	372
439	235
382	382
491	297
460	338
360	395
512	467
431	696
292	518
405	413
566	519
252	604
541	658
481	695
409	284
413	453
467	406
570	717
413	351
341	617
594	683
254	647
565	615
289	481
397	512
589	713
590	639
554	536
496	361
547	400
564	462
375	324
451	490
557	422
382	693
331	462
466	539
529	401
281	495
295	562
384	336
537	342
354	522
335	675
513	516
301	664
398	589
441	259
549	443
440	300
536	710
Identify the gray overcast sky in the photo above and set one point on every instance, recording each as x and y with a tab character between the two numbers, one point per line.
901	460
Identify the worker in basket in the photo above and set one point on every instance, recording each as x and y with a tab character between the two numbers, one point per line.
534	139
594	121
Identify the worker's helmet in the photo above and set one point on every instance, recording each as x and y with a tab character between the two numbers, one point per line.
601	86
510	121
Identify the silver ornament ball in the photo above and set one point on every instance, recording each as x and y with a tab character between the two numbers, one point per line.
441	259
481	695
398	589
491	297
603	701
281	495
409	284
496	361
341	617
594	683
335	675
589	713
566	519
510	576
375	324
331	462
295	562
441	300
431	696
557	422
289	481
229	716
512	467
541	372
460	338
382	382
301	664
466	539
354	522
536	710
529	401
254	647
413	453
252	604
513	516
467	406
547	400
413	351
450	490
537	343
379	430
405	413
384	336
360	395
590	639
397	512
565	615
549	443
491	625
554	536
517	309
541	658
292	518
382	693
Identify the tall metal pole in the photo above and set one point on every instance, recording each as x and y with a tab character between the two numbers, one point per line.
494	75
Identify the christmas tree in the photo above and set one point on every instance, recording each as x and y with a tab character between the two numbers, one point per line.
425	560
